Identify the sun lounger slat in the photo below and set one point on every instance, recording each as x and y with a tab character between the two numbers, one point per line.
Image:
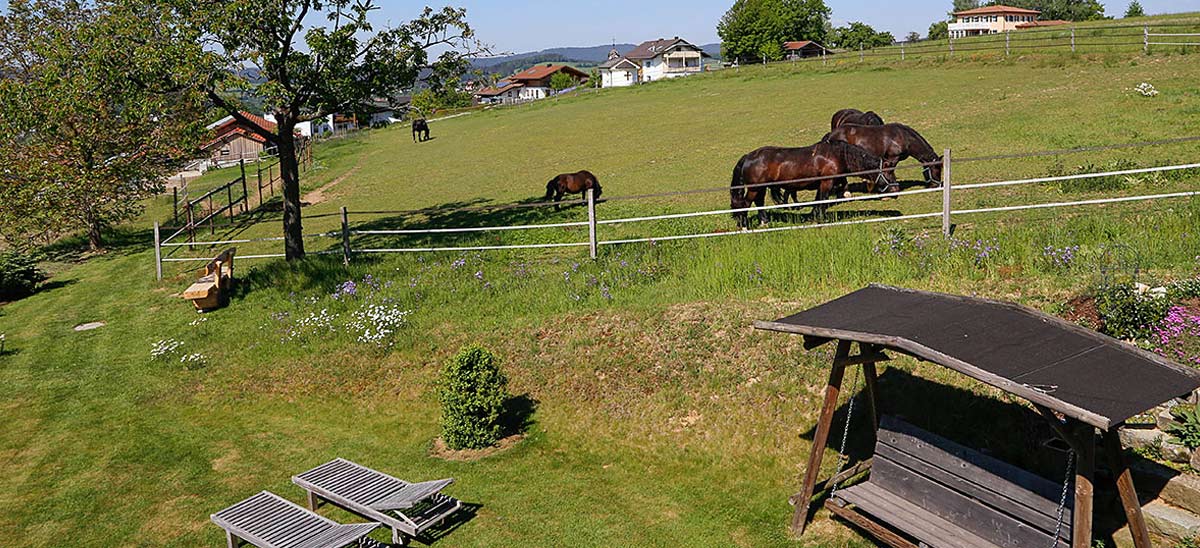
407	508
269	521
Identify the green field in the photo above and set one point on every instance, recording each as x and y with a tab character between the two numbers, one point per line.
661	418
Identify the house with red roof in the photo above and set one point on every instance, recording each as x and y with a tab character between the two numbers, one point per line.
991	20
803	49
530	84
232	140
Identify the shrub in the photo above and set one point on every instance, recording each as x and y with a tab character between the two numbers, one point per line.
473	391
1128	313
19	276
1186	430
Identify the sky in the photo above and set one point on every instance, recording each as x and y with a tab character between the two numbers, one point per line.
517	26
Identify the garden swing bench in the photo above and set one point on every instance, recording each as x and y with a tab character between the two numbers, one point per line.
925	490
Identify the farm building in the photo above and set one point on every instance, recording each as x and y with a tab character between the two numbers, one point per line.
530	84
233	141
653	60
803	49
990	20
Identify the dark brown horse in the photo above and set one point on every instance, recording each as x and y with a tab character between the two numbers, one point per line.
420	129
854	116
826	163
894	143
572	183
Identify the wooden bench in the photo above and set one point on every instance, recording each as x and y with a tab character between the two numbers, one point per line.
945	495
212	289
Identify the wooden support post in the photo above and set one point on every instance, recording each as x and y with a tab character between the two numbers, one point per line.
175	206
1007	43
157	253
591	205
901	52
951	46
861	57
1085	467
820	438
871	377
245	196
1146	40
1125	488
191	223
212	216
229	200
1072	39
947	226
313	501
345	236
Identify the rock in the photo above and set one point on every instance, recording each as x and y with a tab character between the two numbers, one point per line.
1195	462
1164	419
1138	438
1171	522
90	326
1176	453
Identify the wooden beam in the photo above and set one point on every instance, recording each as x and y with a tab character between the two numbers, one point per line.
872	382
880	532
820	438
865	358
1125	488
845	475
1085	466
814	342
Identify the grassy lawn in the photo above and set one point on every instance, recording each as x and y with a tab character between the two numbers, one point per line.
661	418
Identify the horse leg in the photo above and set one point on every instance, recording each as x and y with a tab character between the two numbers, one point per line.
823	190
764	217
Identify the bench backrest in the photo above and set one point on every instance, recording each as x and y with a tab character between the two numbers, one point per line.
992	499
223	263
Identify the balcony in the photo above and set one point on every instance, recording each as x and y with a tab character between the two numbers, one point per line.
986	27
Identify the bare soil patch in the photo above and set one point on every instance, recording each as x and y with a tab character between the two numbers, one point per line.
440	451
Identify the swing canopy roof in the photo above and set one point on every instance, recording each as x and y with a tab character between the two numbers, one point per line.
1045	360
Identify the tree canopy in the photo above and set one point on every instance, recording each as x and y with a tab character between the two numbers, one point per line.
754	29
857	34
939	31
1135	10
1067	10
97	106
312	71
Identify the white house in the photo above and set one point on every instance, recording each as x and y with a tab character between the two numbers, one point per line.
654	60
530	84
992	20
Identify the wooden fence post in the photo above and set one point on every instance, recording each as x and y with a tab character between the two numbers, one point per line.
591	205
191	223
157	253
229	200
258	168
947	227
901	51
1146	40
345	236
245	199
951	46
1007	43
175	206
861	57
1072	39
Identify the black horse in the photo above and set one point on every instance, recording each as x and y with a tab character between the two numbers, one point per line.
826	164
894	143
854	116
420	129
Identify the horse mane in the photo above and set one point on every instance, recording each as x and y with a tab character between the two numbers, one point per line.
857	158
931	154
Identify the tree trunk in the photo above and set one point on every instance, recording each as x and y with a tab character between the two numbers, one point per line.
289	170
95	238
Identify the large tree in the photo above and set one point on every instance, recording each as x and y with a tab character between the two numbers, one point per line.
859	35
1069	10
96	108
320	57
1135	10
753	29
939	31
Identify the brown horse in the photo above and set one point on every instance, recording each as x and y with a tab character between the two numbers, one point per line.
420	129
854	116
894	143
830	162
572	183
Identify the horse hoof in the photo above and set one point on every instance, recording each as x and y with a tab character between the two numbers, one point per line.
847	195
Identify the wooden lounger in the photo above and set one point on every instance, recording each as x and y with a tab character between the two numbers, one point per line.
408	508
267	520
212	289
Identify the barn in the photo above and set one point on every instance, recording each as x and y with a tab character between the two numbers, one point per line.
234	141
803	49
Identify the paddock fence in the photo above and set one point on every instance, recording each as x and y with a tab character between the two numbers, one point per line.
1147	38
166	250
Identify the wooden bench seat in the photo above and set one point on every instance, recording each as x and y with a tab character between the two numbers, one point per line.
945	495
212	288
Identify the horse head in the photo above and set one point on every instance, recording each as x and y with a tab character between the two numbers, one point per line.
596	188
885	181
933	174
551	188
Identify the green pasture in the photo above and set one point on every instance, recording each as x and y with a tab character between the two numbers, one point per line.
659	417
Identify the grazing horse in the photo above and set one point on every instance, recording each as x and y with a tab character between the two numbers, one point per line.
420	129
894	143
572	183
826	163
854	116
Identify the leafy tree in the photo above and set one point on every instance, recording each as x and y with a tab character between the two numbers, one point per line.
964	5
912	37
561	80
428	101
939	31
752	29
311	72
1068	10
1135	10
860	34
96	106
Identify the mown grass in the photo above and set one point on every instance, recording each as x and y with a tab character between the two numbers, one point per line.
661	419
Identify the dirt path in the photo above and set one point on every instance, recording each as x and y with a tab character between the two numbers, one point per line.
323	193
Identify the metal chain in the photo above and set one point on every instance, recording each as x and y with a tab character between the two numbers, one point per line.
1062	503
842	458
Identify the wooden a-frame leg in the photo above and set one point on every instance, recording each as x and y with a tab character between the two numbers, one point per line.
871	382
820	438
1125	488
313	501
1085	466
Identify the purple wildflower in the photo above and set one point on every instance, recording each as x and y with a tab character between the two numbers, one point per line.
348	289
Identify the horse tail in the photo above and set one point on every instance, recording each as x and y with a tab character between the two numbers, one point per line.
737	194
551	187
596	185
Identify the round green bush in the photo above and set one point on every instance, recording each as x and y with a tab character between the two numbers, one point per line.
19	276
473	391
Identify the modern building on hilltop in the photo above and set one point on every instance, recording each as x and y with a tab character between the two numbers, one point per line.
530	84
993	20
654	60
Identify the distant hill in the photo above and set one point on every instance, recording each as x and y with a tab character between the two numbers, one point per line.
578	56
